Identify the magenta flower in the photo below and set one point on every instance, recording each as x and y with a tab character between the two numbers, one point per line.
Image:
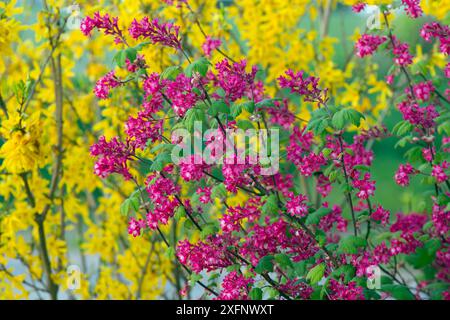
366	187
367	44
112	157
296	205
402	57
306	87
106	23
436	30
423	90
233	79
403	173
210	45
142	129
412	8
358	7
438	171
235	287
181	95
135	226
166	34
192	168
381	214
105	84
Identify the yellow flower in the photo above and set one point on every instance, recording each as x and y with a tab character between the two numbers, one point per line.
21	151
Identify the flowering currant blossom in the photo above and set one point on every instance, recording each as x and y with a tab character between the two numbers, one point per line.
296	205
423	90
135	226
166	34
412	8
192	168
210	45
235	287
106	23
180	93
112	157
403	173
365	186
381	214
306	87
358	7
233	78
368	44
436	30
105	84
438	171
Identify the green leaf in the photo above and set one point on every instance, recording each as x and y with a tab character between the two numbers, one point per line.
171	72
194	278
236	110
218	106
207	230
347	270
271	205
283	260
160	161
350	244
402	128
179	213
131	203
218	191
171	253
316	274
191	116
265	264
256	294
399	292
339	119
121	56
125	208
245	124
201	66
314	218
425	255
249	106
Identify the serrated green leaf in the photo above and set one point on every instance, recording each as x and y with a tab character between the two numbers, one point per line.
256	294
350	244
265	264
316	274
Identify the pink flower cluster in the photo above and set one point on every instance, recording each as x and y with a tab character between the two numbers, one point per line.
105	84
180	93
142	129
365	186
412	8
403	173
436	30
162	193
296	205
210	45
192	168
358	7
113	157
367	44
234	79
235	287
208	255
106	23
166	34
423	90
306	87
135	226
